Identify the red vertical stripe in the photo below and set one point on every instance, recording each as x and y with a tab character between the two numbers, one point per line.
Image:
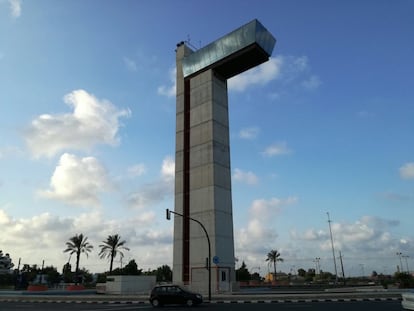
186	181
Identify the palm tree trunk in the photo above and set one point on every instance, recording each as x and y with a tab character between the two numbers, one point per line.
110	265
77	268
274	265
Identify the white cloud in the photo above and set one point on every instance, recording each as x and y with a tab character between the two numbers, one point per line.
274	96
4	218
365	114
78	181
52	232
153	193
368	234
262	74
260	227
266	209
313	234
137	170
92	122
15	8
396	197
296	71
276	149
312	83
168	168
368	237
10	151
249	133
245	177
287	69
246	239
169	91
407	171
299	63
130	64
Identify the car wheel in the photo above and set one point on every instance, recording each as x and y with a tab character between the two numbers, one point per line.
189	302
155	303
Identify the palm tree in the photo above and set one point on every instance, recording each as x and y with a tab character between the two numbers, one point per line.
272	257
76	245
112	247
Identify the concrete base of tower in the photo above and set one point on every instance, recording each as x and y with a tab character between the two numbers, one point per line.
222	280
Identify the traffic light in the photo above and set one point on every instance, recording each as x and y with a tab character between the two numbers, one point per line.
168	214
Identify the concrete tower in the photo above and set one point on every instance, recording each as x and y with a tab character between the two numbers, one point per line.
202	157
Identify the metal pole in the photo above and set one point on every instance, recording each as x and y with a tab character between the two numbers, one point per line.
342	266
209	247
406	262
333	249
401	265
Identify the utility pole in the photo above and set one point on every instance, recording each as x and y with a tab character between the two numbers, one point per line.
401	268
342	266
406	262
333	249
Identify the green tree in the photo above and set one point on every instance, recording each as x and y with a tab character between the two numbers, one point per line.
164	274
53	276
78	244
404	280
30	272
311	275
86	276
131	268
273	257
6	264
111	248
243	274
255	276
326	276
302	272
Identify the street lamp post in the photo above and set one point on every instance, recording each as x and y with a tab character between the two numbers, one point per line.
399	254
168	215
406	262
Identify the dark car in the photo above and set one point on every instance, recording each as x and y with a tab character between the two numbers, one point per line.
173	294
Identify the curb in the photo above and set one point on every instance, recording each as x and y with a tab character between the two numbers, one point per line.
279	301
305	300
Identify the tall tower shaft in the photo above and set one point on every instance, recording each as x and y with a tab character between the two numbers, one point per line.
202	157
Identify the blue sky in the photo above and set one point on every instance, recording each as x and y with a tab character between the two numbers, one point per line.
87	129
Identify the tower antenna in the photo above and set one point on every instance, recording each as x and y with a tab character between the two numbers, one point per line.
188	41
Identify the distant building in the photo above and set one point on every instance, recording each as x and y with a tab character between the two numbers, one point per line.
270	277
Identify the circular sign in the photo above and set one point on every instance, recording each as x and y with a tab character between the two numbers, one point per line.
216	260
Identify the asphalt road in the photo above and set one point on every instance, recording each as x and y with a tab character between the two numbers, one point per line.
287	306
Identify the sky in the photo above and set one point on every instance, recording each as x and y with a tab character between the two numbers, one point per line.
87	130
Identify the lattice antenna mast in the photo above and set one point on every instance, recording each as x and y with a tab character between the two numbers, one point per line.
188	41
333	249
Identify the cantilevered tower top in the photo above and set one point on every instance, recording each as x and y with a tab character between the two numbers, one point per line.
242	49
